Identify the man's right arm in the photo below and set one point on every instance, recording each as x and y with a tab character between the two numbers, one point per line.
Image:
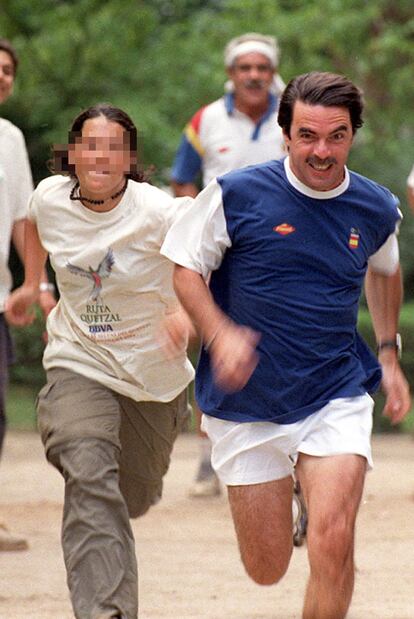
197	242
232	347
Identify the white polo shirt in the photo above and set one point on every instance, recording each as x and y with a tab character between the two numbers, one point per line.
219	138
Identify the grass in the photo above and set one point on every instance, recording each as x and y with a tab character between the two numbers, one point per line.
20	407
408	423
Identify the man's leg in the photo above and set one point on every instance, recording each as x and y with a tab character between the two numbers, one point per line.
332	487
262	515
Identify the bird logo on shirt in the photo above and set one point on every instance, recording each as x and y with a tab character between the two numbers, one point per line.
96	275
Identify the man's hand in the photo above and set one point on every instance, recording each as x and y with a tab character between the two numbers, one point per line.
233	355
395	388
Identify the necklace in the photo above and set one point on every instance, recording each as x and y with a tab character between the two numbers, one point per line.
90	201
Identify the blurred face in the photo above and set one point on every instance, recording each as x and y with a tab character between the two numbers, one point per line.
319	144
101	156
6	76
252	75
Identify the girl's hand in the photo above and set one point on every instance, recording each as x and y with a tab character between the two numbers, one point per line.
19	308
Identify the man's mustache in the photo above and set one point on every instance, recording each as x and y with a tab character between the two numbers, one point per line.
313	160
255	84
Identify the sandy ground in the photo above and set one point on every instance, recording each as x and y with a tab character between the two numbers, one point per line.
189	564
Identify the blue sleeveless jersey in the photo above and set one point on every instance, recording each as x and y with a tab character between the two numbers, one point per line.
294	273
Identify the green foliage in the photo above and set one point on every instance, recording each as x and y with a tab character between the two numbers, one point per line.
20	406
29	344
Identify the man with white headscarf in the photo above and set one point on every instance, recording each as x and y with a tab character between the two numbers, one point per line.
237	130
241	127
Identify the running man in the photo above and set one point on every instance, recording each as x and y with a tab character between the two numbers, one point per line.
284	377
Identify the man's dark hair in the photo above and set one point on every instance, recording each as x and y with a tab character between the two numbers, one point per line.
319	88
6	46
60	163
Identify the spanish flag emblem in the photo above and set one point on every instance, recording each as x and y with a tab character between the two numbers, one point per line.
354	238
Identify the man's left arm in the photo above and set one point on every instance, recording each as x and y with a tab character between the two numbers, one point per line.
47	299
384	294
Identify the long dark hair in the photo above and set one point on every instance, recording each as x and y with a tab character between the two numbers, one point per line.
321	88
60	163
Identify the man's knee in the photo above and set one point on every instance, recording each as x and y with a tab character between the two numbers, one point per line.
267	560
331	543
265	569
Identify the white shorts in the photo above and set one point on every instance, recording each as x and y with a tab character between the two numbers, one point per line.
261	451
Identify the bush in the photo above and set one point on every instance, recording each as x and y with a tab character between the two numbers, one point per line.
29	344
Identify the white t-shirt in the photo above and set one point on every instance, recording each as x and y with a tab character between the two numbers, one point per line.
115	288
15	188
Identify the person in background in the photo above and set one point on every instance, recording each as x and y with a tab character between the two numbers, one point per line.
240	128
114	402
284	377
15	188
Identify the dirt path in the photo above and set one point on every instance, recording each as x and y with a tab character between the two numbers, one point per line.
189	565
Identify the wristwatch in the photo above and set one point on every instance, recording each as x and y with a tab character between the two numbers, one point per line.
395	344
46	287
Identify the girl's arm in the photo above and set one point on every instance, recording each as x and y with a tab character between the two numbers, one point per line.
19	309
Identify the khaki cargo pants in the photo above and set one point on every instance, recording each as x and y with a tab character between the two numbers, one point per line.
113	453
